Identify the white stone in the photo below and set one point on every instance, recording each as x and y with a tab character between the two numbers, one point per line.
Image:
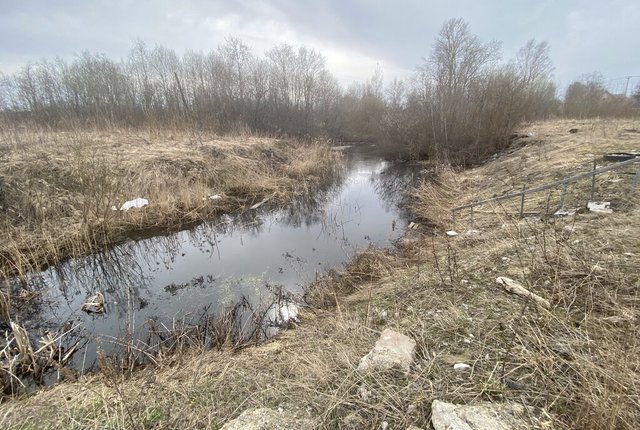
481	416
392	351
600	207
452	233
134	204
268	419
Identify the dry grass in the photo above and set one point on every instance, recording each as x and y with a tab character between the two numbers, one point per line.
575	365
57	188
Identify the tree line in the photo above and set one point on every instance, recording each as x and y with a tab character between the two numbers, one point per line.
462	103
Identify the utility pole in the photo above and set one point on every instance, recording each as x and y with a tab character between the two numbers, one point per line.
626	86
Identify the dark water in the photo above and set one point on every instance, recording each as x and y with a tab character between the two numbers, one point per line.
213	265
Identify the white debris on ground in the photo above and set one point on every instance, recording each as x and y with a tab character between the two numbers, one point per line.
452	233
461	366
601	207
132	204
213	197
269	419
413	226
392	351
565	212
479	416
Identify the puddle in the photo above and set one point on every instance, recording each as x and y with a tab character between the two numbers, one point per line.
166	278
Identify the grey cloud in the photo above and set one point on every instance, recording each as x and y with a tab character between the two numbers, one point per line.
584	35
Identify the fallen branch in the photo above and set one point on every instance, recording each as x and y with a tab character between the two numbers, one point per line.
513	287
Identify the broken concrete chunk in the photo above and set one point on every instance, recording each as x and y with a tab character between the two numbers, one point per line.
481	416
392	351
268	419
601	207
513	287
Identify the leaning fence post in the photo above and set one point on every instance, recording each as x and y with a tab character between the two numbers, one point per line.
593	180
635	182
524	187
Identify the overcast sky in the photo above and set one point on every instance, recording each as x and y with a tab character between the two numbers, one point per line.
354	35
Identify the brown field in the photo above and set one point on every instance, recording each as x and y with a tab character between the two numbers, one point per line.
576	364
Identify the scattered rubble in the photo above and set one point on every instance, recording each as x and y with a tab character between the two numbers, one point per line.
268	419
481	416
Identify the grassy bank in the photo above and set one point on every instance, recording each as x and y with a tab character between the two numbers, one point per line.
57	189
575	364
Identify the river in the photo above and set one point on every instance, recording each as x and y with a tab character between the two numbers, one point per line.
179	276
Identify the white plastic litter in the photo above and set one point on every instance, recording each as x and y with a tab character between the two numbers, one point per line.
565	212
134	204
213	197
461	366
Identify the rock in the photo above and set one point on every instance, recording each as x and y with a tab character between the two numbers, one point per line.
452	233
268	419
392	351
600	207
481	416
573	130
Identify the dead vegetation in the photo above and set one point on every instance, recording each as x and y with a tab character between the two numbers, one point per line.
58	190
574	365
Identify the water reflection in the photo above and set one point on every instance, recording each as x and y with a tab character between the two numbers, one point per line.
164	278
